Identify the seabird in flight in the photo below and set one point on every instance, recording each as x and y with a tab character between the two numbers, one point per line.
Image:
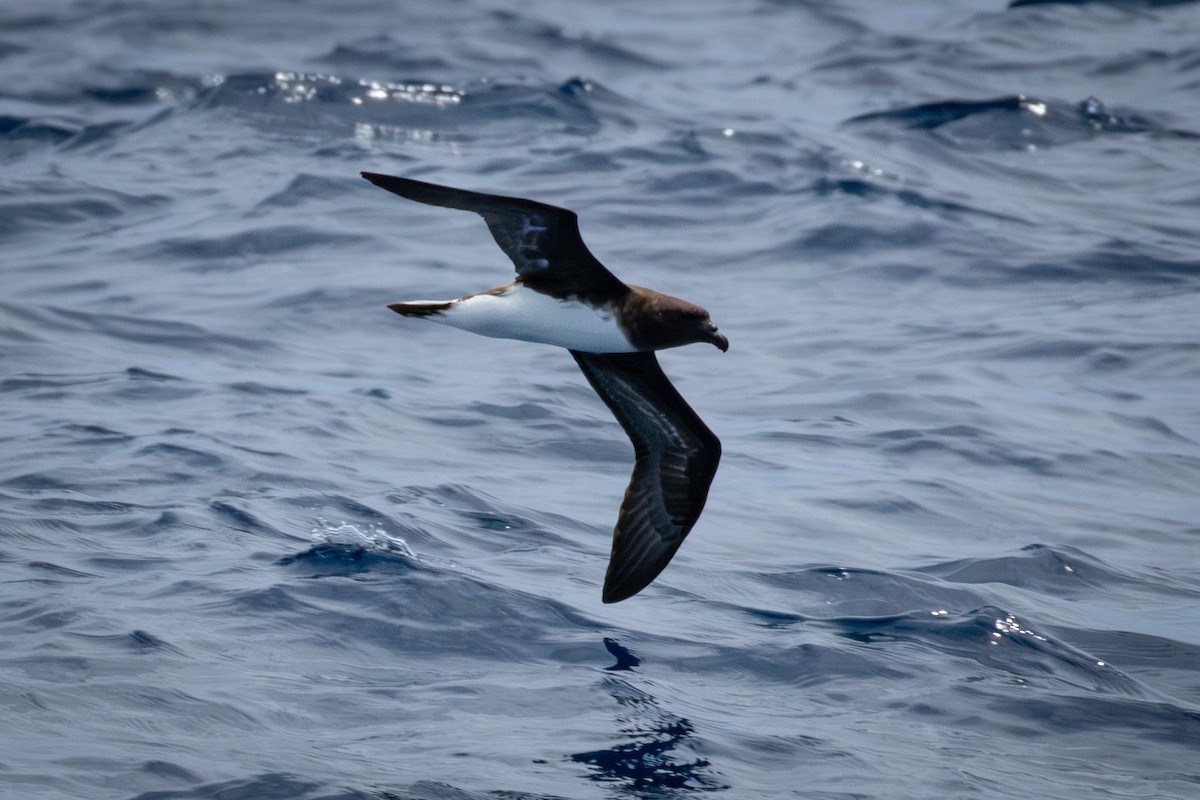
564	296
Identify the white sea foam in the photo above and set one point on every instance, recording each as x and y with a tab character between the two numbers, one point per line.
370	537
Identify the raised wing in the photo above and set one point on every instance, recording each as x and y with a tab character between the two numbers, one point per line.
676	457
543	241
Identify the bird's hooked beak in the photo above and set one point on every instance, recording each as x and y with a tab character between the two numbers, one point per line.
711	335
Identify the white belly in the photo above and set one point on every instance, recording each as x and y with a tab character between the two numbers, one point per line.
530	316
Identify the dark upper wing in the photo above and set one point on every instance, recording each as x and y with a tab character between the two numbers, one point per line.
543	241
676	458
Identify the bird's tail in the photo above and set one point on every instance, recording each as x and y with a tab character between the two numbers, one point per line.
421	308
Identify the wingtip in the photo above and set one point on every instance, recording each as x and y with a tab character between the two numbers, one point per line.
624	580
612	595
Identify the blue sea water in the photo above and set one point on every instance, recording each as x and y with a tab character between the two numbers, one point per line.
261	538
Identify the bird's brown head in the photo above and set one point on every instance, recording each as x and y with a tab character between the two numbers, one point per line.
658	321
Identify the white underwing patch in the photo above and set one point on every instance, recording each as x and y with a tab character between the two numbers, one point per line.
530	316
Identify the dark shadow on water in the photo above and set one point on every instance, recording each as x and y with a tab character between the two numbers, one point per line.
626	660
652	759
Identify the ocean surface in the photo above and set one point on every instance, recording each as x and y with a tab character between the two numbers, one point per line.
261	538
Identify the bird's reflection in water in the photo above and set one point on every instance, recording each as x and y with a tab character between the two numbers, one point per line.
649	762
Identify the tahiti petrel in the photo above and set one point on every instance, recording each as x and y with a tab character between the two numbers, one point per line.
564	296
